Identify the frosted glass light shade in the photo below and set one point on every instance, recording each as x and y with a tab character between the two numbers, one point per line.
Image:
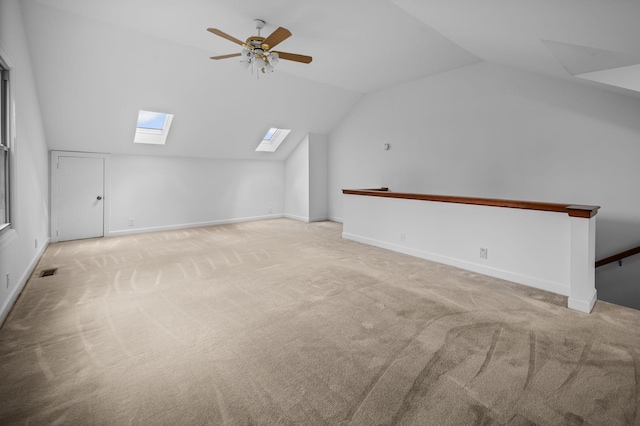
273	59
259	62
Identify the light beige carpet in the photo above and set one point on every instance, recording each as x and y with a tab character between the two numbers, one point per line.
281	322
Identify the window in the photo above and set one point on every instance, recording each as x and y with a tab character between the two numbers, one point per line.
5	120
152	127
272	139
272	131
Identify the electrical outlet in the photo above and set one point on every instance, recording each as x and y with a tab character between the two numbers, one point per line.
402	237
36	243
131	222
484	253
7	280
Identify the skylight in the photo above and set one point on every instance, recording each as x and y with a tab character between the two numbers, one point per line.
272	139
151	120
270	134
152	127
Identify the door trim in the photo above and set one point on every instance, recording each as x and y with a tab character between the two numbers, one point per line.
53	222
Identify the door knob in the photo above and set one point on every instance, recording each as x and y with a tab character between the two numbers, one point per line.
99	197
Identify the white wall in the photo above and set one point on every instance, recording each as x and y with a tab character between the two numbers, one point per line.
165	193
547	250
30	200
307	180
297	182
491	131
453	234
318	177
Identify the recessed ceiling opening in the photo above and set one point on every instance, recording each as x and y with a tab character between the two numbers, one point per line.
152	127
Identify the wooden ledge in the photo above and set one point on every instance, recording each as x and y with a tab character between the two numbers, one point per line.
572	210
582	211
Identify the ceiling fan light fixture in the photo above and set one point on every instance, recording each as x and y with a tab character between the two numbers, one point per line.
273	58
256	50
259	62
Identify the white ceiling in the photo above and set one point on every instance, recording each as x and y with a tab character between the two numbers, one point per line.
513	33
359	45
109	58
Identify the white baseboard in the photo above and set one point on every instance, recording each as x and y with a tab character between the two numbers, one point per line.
298	218
13	296
306	219
534	282
336	219
319	219
191	225
585	306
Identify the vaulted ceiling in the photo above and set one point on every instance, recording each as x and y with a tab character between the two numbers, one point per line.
98	62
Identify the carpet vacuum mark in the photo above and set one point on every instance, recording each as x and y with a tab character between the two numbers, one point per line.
283	322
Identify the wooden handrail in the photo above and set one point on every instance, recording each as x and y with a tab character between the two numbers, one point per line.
618	256
572	210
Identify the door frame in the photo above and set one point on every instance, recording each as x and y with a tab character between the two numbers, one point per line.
55	155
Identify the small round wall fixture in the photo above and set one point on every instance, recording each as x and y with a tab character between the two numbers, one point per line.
386	146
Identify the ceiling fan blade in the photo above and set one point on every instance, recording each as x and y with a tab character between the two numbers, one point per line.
231	55
277	37
225	35
294	57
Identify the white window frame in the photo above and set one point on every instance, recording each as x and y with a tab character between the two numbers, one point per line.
271	144
153	136
8	230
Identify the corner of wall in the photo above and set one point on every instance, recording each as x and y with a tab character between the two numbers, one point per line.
296	194
318	176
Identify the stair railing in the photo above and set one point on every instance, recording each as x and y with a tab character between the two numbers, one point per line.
618	257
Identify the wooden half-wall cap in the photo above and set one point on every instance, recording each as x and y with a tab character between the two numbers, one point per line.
582	211
573	210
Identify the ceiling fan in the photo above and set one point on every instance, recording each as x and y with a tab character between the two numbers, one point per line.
257	53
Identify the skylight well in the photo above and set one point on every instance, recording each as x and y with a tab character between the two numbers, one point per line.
152	127
272	139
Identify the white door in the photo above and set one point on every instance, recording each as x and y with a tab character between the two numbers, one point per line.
80	197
